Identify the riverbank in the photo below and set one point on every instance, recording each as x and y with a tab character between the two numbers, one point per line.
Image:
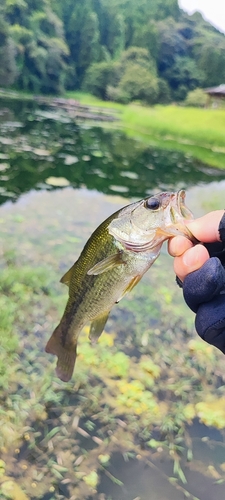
198	132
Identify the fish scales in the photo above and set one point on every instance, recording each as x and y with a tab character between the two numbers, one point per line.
114	259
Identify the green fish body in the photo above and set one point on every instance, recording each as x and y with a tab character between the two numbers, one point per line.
114	259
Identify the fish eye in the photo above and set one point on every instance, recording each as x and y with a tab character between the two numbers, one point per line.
152	203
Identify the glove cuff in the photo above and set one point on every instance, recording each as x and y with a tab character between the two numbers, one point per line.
222	228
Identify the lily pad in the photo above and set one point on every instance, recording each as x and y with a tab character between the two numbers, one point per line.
57	181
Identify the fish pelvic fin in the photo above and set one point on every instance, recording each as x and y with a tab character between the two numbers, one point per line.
130	287
66	354
97	327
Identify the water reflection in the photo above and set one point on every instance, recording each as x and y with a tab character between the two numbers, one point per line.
41	147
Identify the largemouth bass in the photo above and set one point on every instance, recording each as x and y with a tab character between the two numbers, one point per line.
113	261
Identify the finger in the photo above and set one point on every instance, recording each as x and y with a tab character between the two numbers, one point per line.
178	245
205	228
191	260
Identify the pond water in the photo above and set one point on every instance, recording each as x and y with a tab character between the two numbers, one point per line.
42	147
85	440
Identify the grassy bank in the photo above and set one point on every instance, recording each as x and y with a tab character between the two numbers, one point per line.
199	132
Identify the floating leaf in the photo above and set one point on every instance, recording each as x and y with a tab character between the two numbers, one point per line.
130	175
4	166
41	152
57	181
70	160
119	189
97	154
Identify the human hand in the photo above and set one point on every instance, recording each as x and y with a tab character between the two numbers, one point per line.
189	258
201	268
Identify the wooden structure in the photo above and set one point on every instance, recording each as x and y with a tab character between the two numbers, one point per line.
215	94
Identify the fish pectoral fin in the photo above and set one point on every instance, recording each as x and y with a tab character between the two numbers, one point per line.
131	285
67	277
97	327
107	264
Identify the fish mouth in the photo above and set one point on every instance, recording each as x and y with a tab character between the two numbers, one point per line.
179	213
183	211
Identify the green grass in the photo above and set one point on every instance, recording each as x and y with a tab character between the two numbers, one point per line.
198	132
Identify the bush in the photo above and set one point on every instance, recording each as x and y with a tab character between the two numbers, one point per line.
138	83
138	55
117	94
99	76
180	93
164	94
196	98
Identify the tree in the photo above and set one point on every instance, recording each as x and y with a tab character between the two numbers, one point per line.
210	56
139	83
99	76
46	45
140	56
8	70
41	51
171	45
82	35
184	72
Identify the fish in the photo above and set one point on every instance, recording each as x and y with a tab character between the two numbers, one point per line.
114	259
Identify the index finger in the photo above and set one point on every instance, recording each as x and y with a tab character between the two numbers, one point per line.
206	228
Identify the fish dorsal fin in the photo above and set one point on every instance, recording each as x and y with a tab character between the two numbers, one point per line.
107	264
67	277
97	327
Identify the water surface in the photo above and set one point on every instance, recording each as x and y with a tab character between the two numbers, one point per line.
42	147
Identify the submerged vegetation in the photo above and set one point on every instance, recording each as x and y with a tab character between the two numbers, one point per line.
133	393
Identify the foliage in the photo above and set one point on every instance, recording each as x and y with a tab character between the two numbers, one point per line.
41	50
99	76
139	83
164	92
47	46
8	70
196	98
133	77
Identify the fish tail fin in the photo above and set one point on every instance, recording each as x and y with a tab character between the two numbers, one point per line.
66	354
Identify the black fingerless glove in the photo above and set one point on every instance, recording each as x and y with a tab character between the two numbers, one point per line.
204	293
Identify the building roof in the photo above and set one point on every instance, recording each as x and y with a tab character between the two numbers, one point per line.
216	91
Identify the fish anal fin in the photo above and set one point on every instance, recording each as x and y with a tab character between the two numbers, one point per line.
130	287
66	355
97	327
107	264
67	277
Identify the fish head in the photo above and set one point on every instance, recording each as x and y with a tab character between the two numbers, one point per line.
146	224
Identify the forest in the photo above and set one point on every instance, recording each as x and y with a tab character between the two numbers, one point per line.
120	50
